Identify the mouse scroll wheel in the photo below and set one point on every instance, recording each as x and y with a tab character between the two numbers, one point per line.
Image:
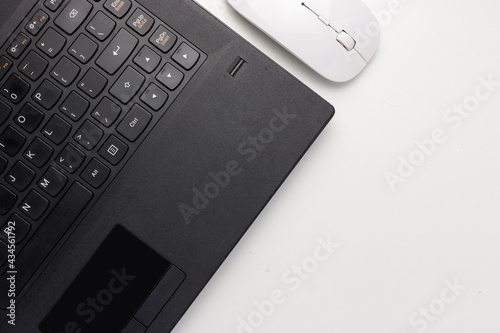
346	40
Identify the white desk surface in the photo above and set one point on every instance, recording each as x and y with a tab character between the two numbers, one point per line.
400	250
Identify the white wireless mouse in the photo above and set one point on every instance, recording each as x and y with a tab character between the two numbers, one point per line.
336	38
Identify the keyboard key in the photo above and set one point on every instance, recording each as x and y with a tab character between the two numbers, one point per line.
154	97
15	88
89	135
114	150
29	118
38	153
37	22
47	94
147	59
16	225
51	43
52	182
11	141
170	76
163	39
73	15
65	71
101	26
95	173
118	7
3	164
7	200
4	112
3	259
83	49
127	85
18	45
19	176
56	129
186	56
33	66
92	83
134	123
34	205
140	22
5	65
106	112
115	54
74	106
70	158
53	5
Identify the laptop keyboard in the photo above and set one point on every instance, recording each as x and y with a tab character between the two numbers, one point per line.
81	85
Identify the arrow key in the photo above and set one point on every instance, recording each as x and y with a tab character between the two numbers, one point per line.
186	56
170	76
70	158
154	97
147	59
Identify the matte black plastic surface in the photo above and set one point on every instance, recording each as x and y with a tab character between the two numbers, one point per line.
234	139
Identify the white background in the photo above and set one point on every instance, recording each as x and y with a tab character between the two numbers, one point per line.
397	248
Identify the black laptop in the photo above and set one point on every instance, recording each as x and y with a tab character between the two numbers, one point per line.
139	140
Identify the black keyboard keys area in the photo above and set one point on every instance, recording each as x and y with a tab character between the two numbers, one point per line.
15	88
118	50
83	49
118	7
4	112
33	66
95	173
29	118
34	205
92	83
101	26
38	153
134	123
11	141
106	112
74	106
51	43
16	225
18	46
70	158
147	59
47	94
52	182
88	136
3	164
7	200
73	15
56	129
127	86
154	97
114	150
65	71
37	22
19	176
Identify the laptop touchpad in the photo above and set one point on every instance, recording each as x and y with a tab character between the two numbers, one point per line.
111	287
